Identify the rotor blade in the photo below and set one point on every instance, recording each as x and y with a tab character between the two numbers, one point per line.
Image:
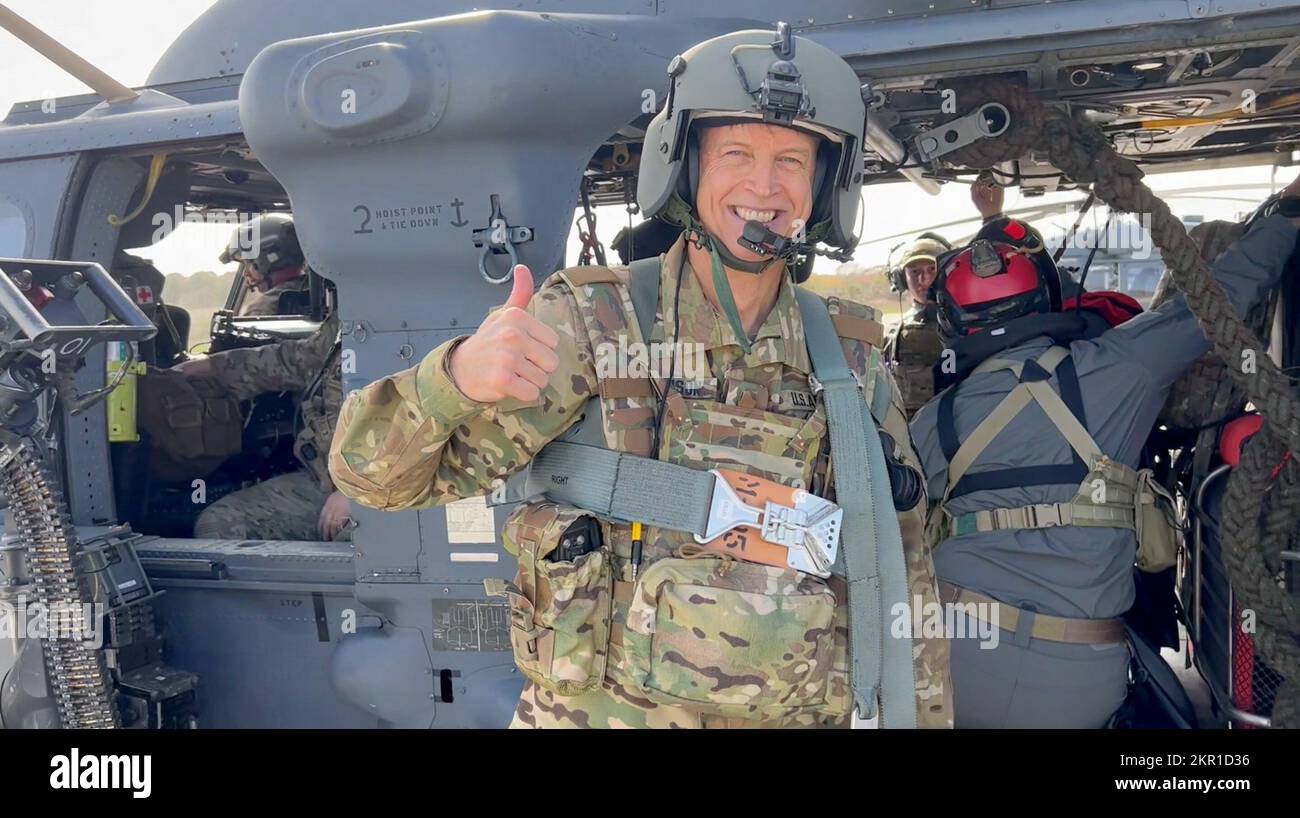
65	58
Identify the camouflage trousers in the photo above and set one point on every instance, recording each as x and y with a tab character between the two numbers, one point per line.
615	707
285	507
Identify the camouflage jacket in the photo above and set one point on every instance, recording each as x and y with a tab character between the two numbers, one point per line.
413	440
257	302
309	366
913	348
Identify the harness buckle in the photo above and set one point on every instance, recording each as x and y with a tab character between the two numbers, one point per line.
1045	515
796	529
817	387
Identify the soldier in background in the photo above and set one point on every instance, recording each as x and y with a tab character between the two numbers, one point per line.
303	504
270	260
913	347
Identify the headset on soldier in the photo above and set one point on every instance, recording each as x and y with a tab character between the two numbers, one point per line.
897	274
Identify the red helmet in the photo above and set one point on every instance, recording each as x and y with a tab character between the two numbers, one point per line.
990	282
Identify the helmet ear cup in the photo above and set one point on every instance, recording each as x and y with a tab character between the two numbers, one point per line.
897	279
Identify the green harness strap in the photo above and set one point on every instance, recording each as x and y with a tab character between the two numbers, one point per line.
871	543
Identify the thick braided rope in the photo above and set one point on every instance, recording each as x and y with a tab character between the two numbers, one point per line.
1081	151
1250	539
1256	526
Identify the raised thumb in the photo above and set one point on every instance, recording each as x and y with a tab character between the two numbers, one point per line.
522	291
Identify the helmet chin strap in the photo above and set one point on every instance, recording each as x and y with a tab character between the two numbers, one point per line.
720	255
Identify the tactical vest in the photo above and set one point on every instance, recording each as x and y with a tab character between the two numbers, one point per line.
1110	494
697	628
914	348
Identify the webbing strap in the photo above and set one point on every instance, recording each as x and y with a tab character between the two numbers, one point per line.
623	487
871	543
1033	384
1046	515
1064	420
643	284
989	428
1051	628
1049	361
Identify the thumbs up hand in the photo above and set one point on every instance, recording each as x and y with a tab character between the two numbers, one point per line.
512	355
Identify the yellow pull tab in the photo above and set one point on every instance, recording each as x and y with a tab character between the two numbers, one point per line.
494	586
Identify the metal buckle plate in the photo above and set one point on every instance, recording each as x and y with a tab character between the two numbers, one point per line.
809	530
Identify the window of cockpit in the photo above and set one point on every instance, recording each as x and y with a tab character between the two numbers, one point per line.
13	231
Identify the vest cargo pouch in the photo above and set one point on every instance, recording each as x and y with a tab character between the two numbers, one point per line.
194	423
1157	527
560	609
735	639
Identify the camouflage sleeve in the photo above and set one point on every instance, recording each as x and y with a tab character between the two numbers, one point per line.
280	367
413	440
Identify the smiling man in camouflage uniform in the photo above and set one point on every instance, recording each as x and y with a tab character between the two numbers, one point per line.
599	636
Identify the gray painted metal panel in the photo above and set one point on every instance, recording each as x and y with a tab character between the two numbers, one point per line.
38	188
222	43
127	124
29	112
89	474
229	35
261	656
1079	24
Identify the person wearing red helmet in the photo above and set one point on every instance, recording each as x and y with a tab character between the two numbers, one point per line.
1030	453
914	346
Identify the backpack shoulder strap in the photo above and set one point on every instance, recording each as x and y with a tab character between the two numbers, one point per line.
643	284
611	305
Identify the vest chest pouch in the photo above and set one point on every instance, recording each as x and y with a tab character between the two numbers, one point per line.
729	636
560	610
736	639
711	435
